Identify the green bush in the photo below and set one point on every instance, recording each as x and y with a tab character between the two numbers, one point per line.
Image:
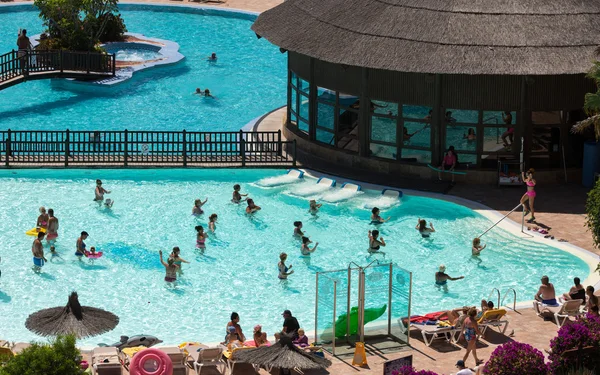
58	358
592	209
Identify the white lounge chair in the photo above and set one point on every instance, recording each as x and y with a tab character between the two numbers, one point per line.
433	332
569	308
105	361
177	358
210	357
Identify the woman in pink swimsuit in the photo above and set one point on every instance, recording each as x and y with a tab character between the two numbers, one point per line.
530	194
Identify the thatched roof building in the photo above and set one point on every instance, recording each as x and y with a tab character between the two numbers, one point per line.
440	36
526	57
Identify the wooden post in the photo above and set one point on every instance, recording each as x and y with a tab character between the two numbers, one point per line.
184	148
67	147
125	152
243	151
279	145
294	155
8	146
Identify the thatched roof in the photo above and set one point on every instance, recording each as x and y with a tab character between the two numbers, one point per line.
283	355
81	321
515	37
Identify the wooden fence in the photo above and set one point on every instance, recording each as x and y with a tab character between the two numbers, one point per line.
25	148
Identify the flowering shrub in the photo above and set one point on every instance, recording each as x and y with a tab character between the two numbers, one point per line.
581	333
516	358
408	370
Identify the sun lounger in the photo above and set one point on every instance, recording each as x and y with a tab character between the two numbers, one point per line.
493	318
177	358
192	353
564	311
127	354
209	357
105	361
432	332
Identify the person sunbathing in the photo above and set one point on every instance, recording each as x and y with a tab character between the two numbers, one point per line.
302	340
577	291
260	337
546	293
232	340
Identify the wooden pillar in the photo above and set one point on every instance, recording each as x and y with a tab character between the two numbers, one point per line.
523	127
364	114
437	123
312	103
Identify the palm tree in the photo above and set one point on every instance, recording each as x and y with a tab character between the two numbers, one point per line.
591	104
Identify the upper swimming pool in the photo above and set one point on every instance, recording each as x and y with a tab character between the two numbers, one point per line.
248	79
238	271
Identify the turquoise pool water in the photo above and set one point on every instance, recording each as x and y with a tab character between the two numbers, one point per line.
238	271
248	79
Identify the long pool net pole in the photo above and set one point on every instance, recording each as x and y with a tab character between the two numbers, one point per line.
504	217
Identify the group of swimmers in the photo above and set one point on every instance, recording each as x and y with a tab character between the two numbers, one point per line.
206	92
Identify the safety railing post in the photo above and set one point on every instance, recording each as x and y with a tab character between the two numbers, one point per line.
126	147
279	144
67	147
184	152
87	63
114	64
61	61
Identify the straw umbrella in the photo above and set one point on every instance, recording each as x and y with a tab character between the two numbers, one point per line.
81	321
283	355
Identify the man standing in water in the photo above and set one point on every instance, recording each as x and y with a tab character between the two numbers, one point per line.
38	252
52	227
24	45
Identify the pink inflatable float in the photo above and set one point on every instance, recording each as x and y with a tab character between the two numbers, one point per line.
151	362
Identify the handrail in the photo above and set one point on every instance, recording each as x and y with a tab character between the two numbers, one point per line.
492	293
498	222
44	63
514	299
41	148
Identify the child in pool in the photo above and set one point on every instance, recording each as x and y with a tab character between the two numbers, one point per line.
477	248
53	251
298	229
237	196
92	250
109	203
197	209
302	340
314	207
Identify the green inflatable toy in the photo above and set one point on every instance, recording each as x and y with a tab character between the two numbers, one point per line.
341	322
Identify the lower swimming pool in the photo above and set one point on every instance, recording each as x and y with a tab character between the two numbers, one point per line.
238	271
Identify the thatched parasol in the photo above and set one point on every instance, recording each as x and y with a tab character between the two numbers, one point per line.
283	355
81	321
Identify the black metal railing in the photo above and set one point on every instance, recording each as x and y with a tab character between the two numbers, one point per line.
42	148
36	62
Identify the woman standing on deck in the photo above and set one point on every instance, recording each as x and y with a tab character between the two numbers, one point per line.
529	196
471	332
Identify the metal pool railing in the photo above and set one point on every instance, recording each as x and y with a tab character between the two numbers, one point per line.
41	148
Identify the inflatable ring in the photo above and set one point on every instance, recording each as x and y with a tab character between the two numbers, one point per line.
140	366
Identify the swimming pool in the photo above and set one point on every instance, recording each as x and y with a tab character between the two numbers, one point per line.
248	79
238	271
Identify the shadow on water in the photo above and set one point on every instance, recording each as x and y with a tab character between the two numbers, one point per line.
108	212
258	223
46	276
92	266
5	298
134	255
203	258
285	285
44	108
176	291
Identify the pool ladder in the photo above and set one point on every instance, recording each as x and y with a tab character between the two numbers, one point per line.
506	294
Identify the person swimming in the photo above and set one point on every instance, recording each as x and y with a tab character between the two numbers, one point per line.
37	249
207	94
99	192
441	278
313	207
109	203
470	136
298	229
170	269
305	249
375	243
80	251
42	220
52	230
197	209
212	57
237	196
477	248
284	271
212	223
201	238
423	230
375	218
177	260
252	208
198	91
